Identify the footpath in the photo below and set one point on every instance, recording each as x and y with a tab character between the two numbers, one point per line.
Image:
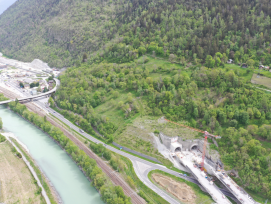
43	192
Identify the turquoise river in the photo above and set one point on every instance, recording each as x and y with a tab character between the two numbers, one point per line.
70	183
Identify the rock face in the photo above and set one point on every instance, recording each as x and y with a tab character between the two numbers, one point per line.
180	190
38	64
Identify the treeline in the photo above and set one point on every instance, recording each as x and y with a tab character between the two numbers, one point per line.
110	194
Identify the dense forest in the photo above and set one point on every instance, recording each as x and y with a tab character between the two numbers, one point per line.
63	32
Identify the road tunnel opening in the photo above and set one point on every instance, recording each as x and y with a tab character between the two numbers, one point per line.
194	147
178	149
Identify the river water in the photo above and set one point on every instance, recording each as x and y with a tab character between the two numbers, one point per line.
71	184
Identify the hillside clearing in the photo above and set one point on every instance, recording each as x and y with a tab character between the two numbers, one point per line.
261	80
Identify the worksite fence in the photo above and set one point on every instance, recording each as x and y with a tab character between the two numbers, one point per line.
137	153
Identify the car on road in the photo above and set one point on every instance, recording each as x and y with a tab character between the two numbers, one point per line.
82	131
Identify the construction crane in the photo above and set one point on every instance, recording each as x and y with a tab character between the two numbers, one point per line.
204	150
194	129
206	135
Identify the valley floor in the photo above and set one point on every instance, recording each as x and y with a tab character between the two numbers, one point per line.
16	182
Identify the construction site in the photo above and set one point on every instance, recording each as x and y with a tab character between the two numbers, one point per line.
203	164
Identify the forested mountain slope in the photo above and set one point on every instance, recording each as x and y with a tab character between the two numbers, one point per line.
57	31
60	32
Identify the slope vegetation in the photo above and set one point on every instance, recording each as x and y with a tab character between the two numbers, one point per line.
123	100
60	31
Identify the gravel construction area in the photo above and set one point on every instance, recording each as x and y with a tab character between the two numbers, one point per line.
180	190
17	183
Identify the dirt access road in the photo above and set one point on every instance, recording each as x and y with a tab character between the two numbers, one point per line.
113	175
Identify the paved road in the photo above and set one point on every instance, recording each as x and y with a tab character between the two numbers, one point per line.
141	166
30	96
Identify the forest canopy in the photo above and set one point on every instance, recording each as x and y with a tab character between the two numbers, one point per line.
121	31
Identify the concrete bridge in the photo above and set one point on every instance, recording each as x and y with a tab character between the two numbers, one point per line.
30	98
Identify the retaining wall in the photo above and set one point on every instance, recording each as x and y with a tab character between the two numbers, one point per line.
137	153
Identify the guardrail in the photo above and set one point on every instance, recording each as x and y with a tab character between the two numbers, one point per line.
137	153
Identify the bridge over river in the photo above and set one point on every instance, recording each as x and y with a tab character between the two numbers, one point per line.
30	98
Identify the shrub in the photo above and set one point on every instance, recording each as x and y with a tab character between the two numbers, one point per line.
107	155
19	154
131	182
156	131
2	138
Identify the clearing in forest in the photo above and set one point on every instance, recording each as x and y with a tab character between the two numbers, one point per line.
261	80
17	183
138	134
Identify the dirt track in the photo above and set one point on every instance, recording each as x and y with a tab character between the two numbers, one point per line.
114	176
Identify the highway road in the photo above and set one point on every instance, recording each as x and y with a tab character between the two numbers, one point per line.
141	166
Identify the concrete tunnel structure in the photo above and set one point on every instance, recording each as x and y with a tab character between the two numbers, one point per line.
180	144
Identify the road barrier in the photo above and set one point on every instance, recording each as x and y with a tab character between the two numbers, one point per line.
137	153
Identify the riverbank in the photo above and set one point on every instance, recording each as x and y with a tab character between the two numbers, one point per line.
17	181
44	180
62	172
82	158
66	143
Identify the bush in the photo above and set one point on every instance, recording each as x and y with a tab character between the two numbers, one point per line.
107	155
156	131
19	154
131	182
114	164
2	138
39	190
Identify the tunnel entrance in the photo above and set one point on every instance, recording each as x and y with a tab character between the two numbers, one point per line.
178	149
194	147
